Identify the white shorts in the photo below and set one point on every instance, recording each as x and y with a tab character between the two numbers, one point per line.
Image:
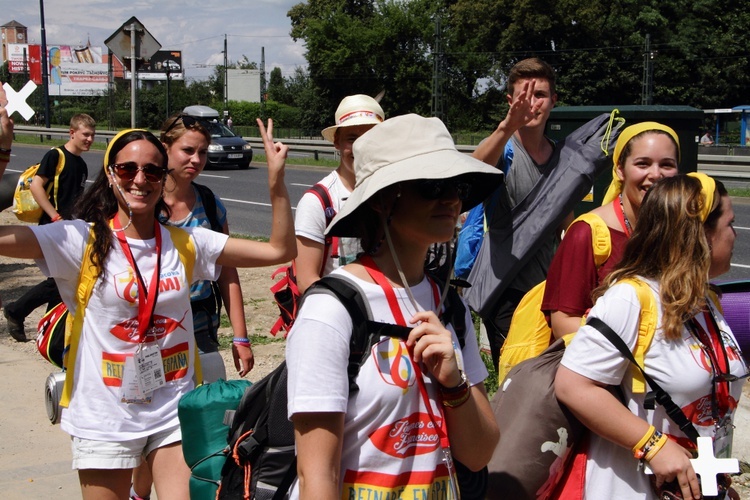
90	454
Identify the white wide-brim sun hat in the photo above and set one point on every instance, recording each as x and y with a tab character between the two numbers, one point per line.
408	148
358	109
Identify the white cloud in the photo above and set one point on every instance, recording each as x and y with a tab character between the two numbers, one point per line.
196	27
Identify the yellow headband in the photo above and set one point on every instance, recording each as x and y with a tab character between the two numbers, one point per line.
708	189
115	139
626	135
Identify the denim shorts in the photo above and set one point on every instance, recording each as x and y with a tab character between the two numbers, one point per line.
91	454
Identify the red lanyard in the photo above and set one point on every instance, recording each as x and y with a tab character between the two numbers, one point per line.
620	214
390	295
146	301
712	346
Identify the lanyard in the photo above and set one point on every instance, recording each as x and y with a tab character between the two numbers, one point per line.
146	300
379	278
712	345
620	214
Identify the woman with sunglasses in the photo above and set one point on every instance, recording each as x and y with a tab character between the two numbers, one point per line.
418	400
134	356
684	237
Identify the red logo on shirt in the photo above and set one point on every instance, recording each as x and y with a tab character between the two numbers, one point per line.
162	326
414	435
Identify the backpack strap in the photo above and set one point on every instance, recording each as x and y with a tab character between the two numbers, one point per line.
186	250
365	332
600	238
74	324
53	187
646	328
331	242
209	204
662	397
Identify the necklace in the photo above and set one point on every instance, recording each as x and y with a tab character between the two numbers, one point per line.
623	218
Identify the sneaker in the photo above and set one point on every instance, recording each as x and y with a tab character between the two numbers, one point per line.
15	327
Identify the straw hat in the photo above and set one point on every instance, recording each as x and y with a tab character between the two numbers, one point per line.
406	148
355	110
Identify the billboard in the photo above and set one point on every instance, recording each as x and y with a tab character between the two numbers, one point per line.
72	71
161	64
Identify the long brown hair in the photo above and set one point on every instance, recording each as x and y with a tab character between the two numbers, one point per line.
669	245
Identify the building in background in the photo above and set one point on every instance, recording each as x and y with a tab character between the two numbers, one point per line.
12	32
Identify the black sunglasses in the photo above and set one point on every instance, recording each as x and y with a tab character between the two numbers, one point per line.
128	171
433	189
187	121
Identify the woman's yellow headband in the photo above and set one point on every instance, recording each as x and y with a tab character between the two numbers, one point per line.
625	137
708	189
114	141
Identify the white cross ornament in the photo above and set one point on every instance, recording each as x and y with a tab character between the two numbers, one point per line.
707	466
17	100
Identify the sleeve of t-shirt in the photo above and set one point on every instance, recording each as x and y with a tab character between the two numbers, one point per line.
317	356
48	165
310	219
572	275
590	353
208	247
63	245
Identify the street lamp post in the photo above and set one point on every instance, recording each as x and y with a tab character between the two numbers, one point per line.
45	76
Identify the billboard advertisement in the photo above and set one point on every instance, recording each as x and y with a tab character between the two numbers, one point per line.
73	71
161	64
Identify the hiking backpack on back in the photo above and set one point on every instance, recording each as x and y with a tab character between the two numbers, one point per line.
285	290
261	461
530	334
24	205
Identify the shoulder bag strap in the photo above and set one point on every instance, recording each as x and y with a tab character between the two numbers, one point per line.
662	397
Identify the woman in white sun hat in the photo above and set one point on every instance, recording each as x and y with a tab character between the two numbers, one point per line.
317	256
419	400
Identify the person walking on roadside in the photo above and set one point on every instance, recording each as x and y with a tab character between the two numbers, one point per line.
56	205
138	310
355	115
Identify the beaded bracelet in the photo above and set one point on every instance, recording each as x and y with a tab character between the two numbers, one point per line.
5	151
241	341
56	218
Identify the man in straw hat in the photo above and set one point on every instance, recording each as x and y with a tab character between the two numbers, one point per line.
355	115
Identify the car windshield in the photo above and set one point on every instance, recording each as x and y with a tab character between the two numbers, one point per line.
218	130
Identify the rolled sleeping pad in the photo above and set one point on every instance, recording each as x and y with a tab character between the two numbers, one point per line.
735	301
212	365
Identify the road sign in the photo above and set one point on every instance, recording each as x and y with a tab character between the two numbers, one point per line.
120	41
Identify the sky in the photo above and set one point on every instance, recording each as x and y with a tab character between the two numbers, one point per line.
196	27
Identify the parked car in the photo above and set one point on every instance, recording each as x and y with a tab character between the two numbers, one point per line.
226	148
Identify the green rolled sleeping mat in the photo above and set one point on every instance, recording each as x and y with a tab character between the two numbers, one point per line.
204	434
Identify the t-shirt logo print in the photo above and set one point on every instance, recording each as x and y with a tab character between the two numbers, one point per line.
413	435
394	365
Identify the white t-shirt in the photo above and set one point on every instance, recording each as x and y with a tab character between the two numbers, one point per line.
680	367
390	442
310	221
96	410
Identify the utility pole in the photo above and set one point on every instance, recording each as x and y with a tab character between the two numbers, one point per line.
647	92
263	89
437	72
45	75
226	78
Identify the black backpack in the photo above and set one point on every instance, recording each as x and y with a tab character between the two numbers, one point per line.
261	462
212	304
